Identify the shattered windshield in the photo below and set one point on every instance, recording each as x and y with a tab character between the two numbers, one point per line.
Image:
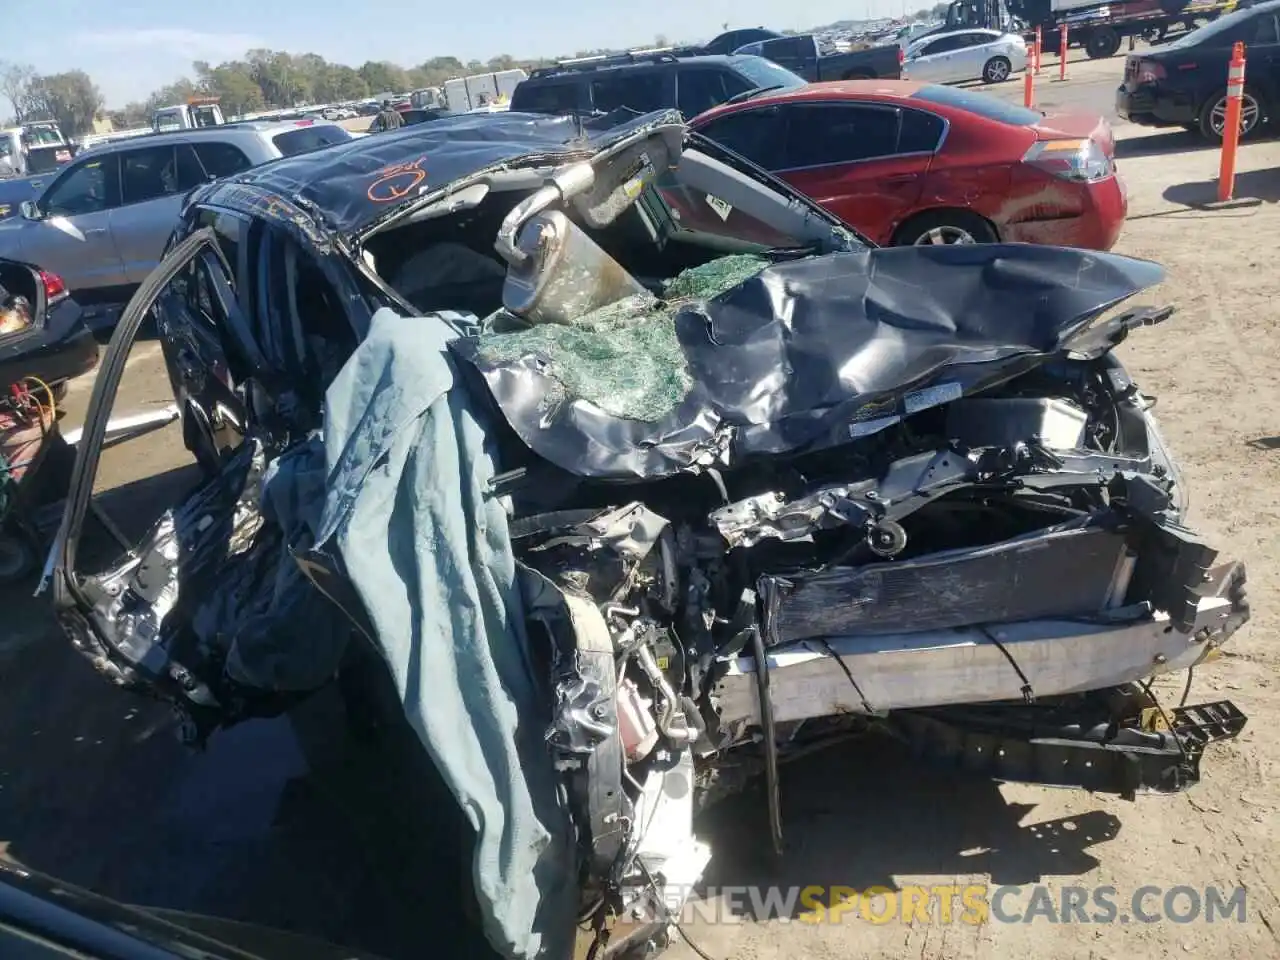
624	358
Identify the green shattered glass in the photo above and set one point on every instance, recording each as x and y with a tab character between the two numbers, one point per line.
624	358
714	278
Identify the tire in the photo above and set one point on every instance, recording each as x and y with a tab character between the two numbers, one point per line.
1253	114
858	75
1101	43
944	227
997	70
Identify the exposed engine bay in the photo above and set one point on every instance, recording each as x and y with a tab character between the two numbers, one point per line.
673	510
1003	568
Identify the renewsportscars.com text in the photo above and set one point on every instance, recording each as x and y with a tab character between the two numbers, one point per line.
966	904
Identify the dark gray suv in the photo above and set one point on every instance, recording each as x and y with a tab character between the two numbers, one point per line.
645	82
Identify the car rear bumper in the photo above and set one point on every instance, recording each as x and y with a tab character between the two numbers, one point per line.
61	349
1151	107
1093	219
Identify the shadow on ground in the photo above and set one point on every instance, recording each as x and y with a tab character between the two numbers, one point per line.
1255	185
1156	144
292	823
862	814
287	823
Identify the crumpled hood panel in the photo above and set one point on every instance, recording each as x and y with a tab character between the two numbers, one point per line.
814	352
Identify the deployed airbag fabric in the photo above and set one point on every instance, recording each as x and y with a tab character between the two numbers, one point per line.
427	550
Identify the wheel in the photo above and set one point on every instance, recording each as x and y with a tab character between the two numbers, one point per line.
858	75
996	70
17	557
1213	115
945	226
1101	43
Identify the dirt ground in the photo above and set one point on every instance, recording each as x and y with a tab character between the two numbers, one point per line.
280	824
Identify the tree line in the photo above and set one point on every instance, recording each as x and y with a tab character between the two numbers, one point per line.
262	79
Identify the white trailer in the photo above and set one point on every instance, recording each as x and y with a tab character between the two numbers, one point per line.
482	89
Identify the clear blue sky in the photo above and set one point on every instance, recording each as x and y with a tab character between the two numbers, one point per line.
136	47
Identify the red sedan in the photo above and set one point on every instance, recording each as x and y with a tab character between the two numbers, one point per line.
909	163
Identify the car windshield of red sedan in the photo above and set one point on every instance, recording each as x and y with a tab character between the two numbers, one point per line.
984	105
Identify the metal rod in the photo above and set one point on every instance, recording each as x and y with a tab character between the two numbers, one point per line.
768	731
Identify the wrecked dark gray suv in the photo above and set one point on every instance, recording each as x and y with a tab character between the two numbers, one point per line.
580	427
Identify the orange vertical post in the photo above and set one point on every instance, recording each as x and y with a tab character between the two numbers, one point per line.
1028	87
1231	124
1062	52
1039	39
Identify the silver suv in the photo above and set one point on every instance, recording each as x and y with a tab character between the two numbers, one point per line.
103	223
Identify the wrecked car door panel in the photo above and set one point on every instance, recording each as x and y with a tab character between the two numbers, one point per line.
147	604
192	320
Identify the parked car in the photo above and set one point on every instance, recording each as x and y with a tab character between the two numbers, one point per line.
34	148
43	343
1183	83
647	81
729	41
989	55
56	346
908	34
624	545
905	162
102	223
803	56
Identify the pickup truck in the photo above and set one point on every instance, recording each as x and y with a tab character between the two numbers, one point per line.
802	55
33	148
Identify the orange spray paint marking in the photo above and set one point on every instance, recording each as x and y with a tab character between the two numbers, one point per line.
396	181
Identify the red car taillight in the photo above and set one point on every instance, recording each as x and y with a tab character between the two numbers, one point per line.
54	286
1149	71
902	56
1081	160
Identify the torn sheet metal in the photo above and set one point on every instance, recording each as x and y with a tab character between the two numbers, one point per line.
810	353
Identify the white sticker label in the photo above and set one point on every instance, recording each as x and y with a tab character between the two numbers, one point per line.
864	428
719	206
932	397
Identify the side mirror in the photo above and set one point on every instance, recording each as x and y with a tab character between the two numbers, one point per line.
29	209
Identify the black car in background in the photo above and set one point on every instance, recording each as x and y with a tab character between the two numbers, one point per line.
731	40
647	81
1184	83
803	55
